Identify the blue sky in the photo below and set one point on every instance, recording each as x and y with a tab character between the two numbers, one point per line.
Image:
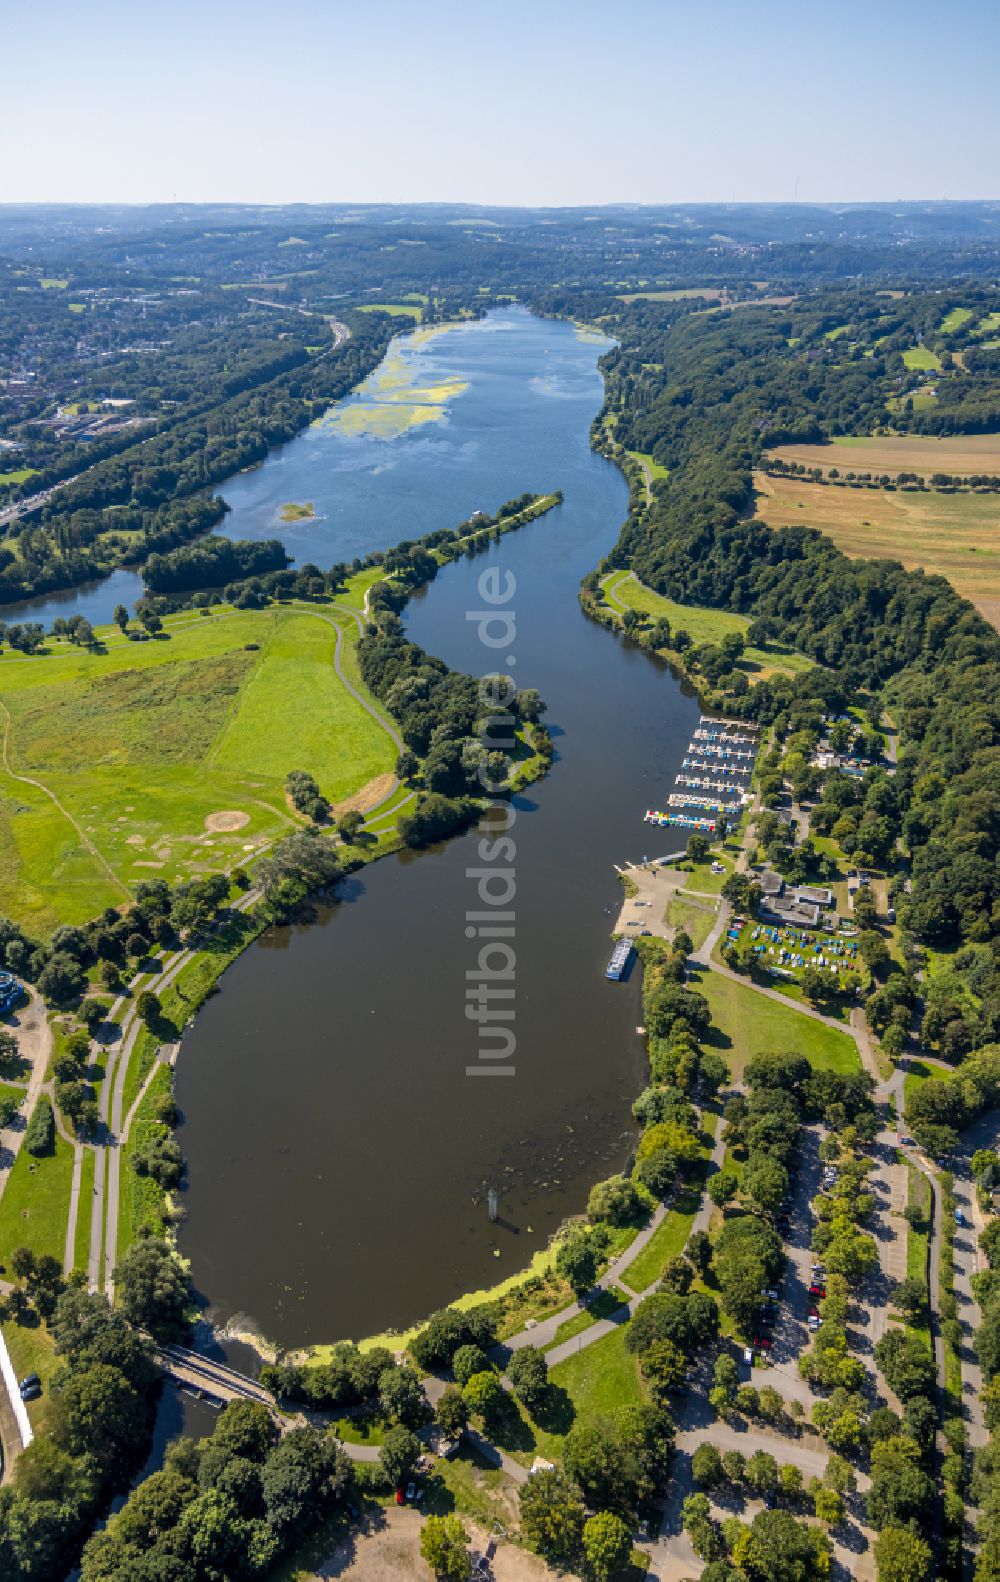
528	101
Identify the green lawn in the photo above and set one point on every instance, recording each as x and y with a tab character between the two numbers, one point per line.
746	1023
592	1383
667	1241
917	1242
622	591
917	1072
169	757
81	1249
34	1209
921	357
20	476
325	730
696	918
360	1430
656	469
602	1306
955	319
32	1350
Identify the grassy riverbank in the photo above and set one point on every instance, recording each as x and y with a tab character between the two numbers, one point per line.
167	758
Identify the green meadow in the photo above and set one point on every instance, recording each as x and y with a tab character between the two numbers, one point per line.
622	590
167	758
746	1023
921	357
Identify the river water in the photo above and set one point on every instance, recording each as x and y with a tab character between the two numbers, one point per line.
339	1155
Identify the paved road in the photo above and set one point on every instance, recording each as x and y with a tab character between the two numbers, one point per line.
968	1260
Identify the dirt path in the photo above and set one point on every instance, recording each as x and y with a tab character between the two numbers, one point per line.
386	1548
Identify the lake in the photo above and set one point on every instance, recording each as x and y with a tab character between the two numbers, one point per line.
339	1156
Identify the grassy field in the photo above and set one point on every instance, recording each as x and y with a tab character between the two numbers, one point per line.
710	293
35	1205
412	310
656	470
952	535
955	319
918	1195
20	476
622	591
592	1383
746	1023
696	918
920	453
668	1239
921	358
168	757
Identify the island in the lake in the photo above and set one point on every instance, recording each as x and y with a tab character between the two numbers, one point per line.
296	511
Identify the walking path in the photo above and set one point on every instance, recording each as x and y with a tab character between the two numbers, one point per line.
34	1041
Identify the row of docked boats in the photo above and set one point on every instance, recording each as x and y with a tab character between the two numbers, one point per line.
722	754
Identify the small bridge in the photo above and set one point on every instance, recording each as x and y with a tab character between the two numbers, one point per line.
211	1378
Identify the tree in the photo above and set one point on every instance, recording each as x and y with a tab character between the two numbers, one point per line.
529	1375
790	1480
607	1544
765	1182
148	1007
120	617
902	1556
577	1258
900	1488
401	1397
467	1361
62	979
444	1544
723	1187
485	1395
762	1472
909	1296
706	1466
98	1413
698	848
153	1289
664	1368
398	1454
615	1201
552	1516
827	1503
908	1368
453	1412
677	1275
349	824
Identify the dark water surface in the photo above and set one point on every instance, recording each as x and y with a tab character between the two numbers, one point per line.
338	1154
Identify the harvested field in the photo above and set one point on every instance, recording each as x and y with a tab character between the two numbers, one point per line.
953	535
924	454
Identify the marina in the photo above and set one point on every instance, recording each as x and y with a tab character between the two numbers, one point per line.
723	753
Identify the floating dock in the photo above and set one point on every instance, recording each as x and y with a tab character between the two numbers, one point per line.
714	780
621	960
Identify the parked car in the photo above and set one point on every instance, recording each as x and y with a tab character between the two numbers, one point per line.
959	1217
30	1387
907	1142
762	1342
411	1492
400	1496
817	1291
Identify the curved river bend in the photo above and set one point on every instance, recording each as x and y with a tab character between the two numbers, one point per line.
338	1154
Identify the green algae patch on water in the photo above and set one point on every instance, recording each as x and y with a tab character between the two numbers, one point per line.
395	399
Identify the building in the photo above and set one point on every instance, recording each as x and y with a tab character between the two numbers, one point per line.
812	896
